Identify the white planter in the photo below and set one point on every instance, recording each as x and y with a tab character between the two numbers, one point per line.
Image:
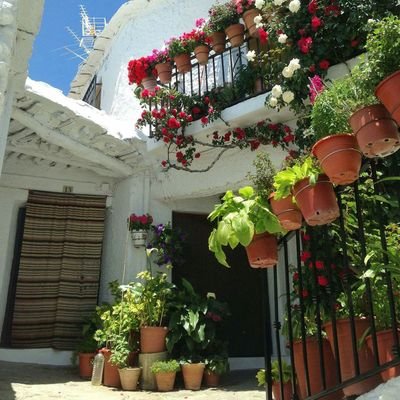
139	238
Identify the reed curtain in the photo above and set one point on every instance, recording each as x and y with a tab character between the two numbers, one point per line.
59	269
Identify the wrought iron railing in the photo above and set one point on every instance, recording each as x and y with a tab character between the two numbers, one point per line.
323	366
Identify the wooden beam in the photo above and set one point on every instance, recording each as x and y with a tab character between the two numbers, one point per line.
56	137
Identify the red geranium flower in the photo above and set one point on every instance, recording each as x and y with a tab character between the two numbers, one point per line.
324	64
323	281
173	123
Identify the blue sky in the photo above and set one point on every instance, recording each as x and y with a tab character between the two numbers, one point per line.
50	62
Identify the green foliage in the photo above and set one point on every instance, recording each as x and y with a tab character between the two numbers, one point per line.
239	218
286	178
245	79
263	179
222	16
88	344
310	323
217	364
122	347
177	46
275	375
165	366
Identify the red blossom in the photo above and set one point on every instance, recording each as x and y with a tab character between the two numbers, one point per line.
305	44
323	281
206	100
288	138
296	276
254	144
197	155
173	123
189	118
332	10
319	265
164	163
354	43
263	35
204	120
312	6
305	293
227	136
145	93
312	68
316	23
324	64
304	256
196	110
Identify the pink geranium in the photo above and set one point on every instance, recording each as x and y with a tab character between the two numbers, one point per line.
316	86
139	222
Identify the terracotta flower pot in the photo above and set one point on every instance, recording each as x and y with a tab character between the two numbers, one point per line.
287	390
235	34
317	203
201	53
129	378
211	379
183	63
248	18
345	347
165	381
86	365
376	131
164	71
385	350
152	339
111	374
388	92
287	212
314	368
149	83
192	375
218	41
262	252
339	157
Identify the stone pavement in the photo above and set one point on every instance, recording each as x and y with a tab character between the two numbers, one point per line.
38	382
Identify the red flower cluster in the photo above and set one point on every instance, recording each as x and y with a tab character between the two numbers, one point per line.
141	68
198	37
139	222
305	44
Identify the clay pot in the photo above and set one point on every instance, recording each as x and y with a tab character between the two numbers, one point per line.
248	18
339	157
385	350
201	53
388	92
165	381
152	339
235	34
287	390
211	379
314	368
183	63
262	252
149	83
164	71
129	378
258	86
317	203
287	212
111	374
192	375
376	131
218	42
345	347
86	365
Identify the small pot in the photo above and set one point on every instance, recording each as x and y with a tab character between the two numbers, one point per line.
388	92
129	378
86	365
139	237
193	375
218	42
183	63
211	379
165	381
201	53
376	131
164	71
248	18
287	212
262	252
339	157
149	83
317	203
235	34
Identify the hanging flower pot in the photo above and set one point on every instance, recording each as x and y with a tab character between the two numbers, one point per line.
317	202
152	339
139	238
388	92
287	212
201	52
235	34
262	252
339	157
218	41
149	83
164	71
248	18
183	63
376	131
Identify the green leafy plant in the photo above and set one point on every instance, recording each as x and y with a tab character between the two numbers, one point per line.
310	323
263	178
180	45
239	218
222	16
122	347
165	366
286	373
217	364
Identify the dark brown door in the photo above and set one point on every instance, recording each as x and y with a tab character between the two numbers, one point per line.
239	286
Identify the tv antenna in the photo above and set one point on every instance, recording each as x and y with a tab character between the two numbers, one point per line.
91	27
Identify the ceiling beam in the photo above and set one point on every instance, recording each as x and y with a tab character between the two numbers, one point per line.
78	149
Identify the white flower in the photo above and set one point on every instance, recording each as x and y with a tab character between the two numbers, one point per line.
282	38
251	55
258	21
276	91
279	2
288	96
259	4
294	6
294	64
287	72
371	21
273	101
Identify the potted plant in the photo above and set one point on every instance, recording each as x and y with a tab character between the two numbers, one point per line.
248	11
285	209
276	377
311	189
142	71
245	218
138	225
163	65
180	49
216	365
165	373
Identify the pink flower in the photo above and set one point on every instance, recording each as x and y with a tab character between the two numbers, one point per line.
204	120
316	86
305	44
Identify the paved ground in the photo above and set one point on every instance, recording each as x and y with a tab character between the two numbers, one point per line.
38	382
